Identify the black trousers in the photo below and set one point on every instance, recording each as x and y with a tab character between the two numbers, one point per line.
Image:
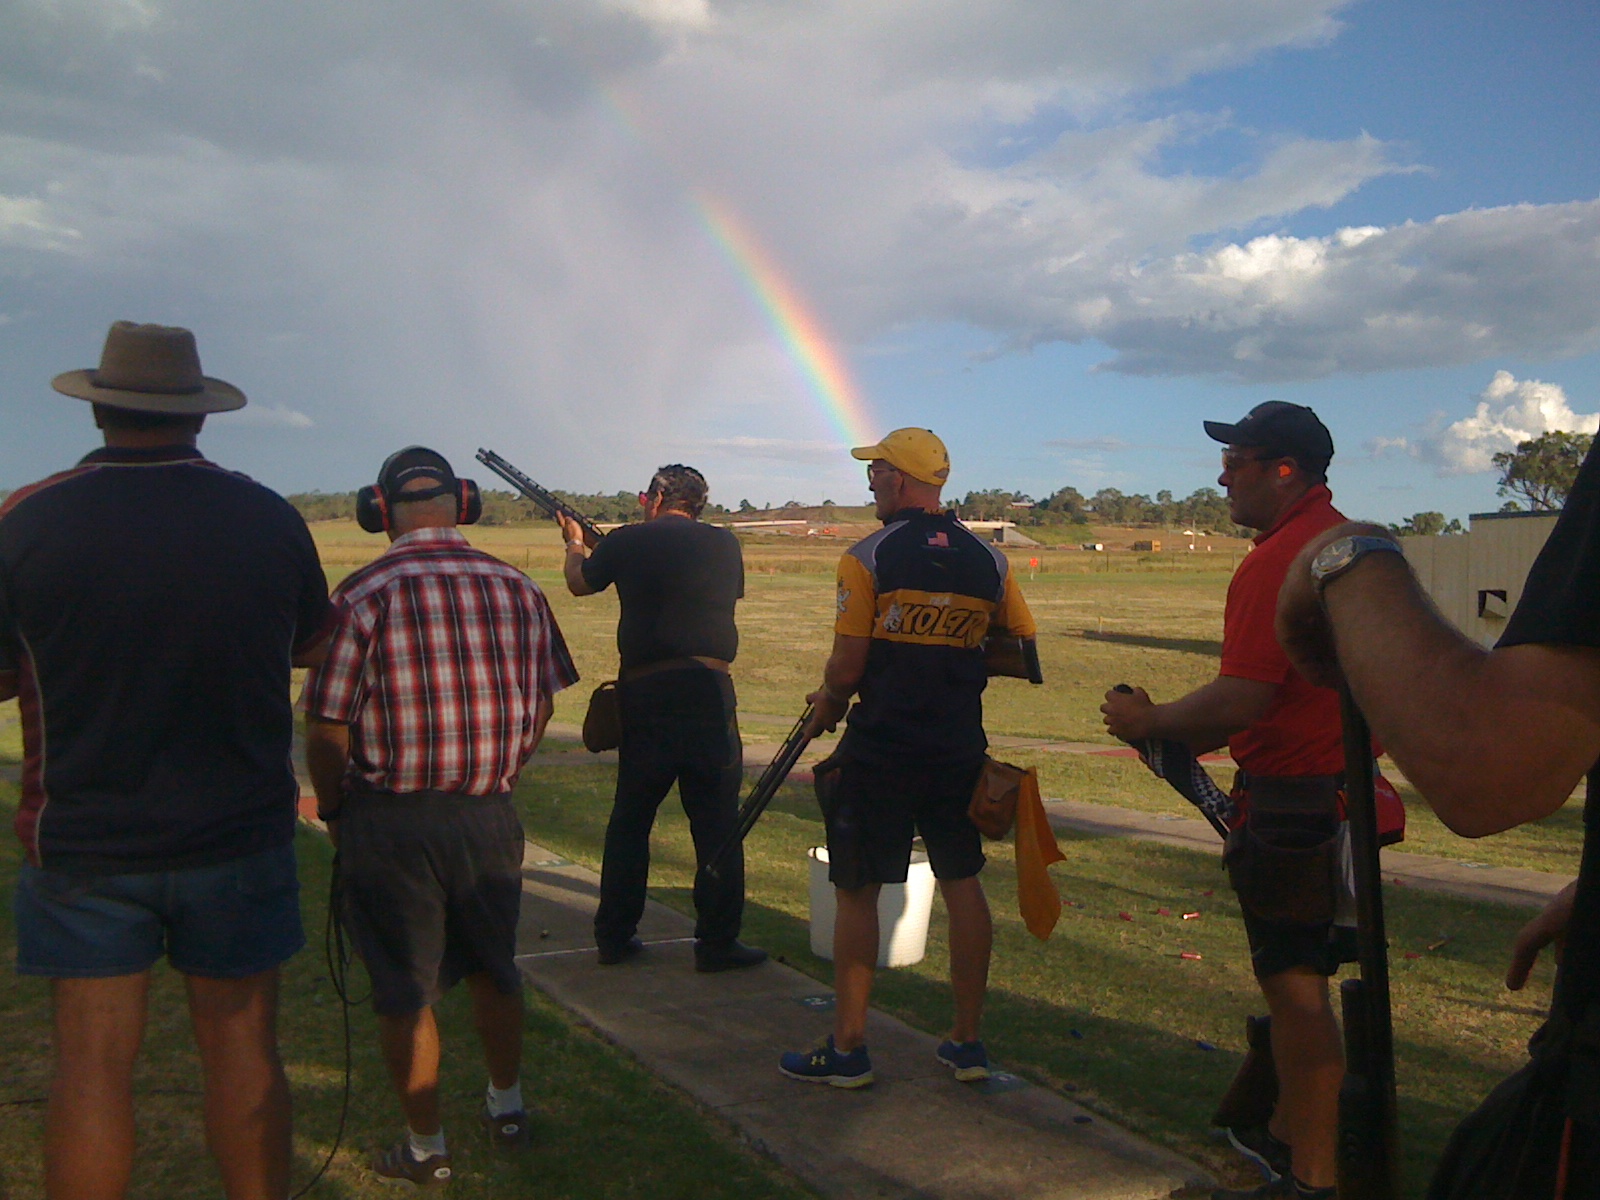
678	726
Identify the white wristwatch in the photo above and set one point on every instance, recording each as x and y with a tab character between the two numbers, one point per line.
1339	555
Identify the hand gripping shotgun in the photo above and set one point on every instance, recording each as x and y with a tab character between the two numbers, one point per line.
540	496
764	790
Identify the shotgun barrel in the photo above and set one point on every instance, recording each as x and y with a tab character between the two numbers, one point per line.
766	787
1369	1143
545	499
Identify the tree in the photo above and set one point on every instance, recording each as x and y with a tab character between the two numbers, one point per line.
1427	524
1542	470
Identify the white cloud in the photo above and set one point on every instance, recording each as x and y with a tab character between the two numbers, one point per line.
278	416
1109	445
1508	412
26	224
777	449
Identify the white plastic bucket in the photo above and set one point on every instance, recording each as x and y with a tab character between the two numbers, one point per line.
903	911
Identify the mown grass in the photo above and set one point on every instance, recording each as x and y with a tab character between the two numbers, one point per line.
604	1126
1107	1010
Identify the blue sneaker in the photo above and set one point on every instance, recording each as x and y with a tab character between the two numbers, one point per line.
969	1060
824	1064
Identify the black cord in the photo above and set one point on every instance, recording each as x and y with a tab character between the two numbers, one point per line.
336	951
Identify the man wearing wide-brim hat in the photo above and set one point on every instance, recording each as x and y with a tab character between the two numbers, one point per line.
151	603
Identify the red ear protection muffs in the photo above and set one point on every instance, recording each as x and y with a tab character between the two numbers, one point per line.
375	506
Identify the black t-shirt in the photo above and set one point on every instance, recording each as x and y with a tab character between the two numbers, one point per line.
677	581
1560	606
150	602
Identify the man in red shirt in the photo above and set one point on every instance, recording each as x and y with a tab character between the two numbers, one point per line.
1285	736
435	690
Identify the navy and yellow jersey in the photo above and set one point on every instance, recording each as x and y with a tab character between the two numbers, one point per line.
926	591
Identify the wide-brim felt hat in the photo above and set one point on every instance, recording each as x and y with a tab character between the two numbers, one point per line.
150	368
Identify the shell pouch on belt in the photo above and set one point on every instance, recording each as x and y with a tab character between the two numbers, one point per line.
602	724
1287	855
1284	858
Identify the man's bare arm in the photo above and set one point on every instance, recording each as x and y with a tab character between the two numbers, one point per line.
1490	738
8	685
840	678
313	655
541	718
327	757
577	551
1203	720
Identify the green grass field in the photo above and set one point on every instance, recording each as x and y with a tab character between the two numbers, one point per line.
654	1142
1107	1010
1153	620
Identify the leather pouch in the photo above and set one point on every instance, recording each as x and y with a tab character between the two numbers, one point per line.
602	724
1285	873
993	808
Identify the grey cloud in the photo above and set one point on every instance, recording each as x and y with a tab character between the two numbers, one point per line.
392	215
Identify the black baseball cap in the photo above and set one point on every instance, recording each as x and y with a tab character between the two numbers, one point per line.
416	462
1290	430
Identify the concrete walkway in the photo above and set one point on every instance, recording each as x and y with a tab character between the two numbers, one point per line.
915	1133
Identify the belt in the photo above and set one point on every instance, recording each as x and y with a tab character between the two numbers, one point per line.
1291	793
628	674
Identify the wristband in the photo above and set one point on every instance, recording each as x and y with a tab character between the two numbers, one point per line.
834	696
578	546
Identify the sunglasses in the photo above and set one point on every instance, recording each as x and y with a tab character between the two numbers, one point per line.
1232	460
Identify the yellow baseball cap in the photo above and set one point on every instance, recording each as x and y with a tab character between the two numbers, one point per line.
917	452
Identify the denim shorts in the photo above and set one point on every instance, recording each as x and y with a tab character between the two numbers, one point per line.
224	921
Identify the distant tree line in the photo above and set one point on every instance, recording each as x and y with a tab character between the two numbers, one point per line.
1204	510
499	508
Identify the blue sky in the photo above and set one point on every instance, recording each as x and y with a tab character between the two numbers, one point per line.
1062	233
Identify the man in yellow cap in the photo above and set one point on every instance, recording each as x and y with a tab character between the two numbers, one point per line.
915	600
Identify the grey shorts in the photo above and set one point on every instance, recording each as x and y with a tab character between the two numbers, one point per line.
431	887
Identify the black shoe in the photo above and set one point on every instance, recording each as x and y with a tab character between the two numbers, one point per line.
1271	1156
726	956
611	955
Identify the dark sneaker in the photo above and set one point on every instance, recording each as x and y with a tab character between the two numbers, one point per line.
726	956
508	1131
1287	1187
397	1166
1278	1189
611	955
824	1064
969	1060
1271	1156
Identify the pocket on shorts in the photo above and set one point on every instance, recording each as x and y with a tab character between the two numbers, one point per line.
1287	874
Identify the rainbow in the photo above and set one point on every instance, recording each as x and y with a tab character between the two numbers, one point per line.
795	323
799	330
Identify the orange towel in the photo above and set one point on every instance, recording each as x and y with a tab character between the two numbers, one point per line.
1037	898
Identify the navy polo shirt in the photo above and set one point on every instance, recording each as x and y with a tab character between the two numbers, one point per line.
150	603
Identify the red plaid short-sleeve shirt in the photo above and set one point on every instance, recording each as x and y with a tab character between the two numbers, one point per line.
437	664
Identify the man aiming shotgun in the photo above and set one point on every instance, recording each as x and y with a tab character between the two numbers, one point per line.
678	580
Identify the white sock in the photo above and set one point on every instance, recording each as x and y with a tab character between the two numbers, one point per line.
504	1100
425	1145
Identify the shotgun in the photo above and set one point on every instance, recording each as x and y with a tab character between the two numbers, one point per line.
1369	1143
765	789
545	499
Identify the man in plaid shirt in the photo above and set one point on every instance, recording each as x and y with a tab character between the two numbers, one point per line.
435	691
